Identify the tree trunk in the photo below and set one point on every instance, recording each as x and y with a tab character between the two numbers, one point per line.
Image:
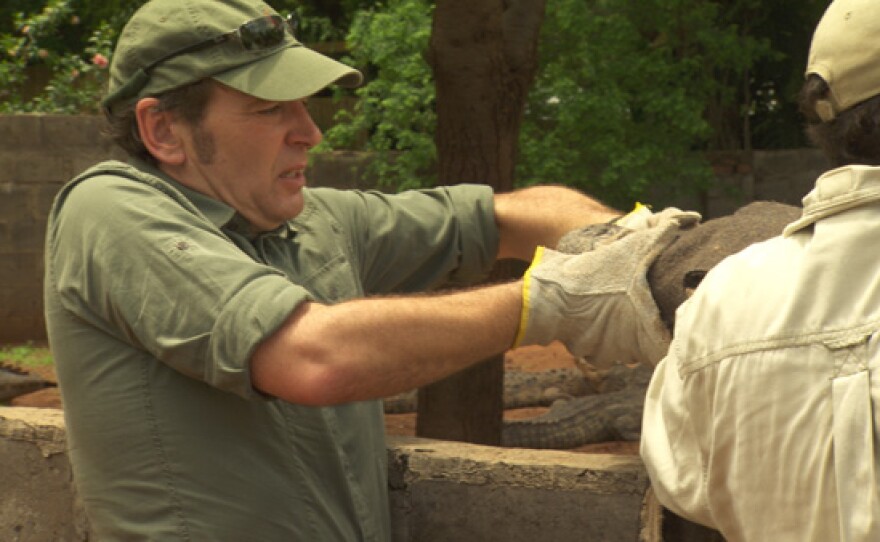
484	54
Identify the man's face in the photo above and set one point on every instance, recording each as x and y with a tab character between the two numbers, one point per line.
250	154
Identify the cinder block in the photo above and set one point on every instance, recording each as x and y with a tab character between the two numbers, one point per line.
444	491
21	309
788	175
21	297
42	198
22	235
21	330
440	491
72	131
23	303
17	263
726	195
20	131
36	488
40	166
14	198
91	157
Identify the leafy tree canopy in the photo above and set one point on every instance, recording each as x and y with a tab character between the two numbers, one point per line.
628	92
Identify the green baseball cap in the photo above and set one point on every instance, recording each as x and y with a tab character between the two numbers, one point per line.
241	43
842	56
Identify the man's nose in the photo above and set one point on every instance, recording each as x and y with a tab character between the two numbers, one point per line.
303	129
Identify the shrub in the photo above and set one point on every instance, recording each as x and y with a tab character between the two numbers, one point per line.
76	79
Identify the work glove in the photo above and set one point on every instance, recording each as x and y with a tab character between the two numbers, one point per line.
598	303
589	237
641	217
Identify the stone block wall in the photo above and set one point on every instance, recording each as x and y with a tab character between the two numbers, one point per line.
38	153
438	491
785	176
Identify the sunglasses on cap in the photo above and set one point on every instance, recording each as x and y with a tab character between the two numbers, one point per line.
254	35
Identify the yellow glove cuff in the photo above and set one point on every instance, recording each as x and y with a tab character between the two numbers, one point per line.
636	208
526	304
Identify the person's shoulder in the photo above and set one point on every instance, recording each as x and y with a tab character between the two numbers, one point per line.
737	299
103	188
113	190
757	259
739	276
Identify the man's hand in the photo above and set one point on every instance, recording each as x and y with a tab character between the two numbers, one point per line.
598	303
589	237
642	218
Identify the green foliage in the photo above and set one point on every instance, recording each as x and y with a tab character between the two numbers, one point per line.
628	95
396	107
323	21
774	120
76	78
619	105
55	60
622	104
312	26
26	355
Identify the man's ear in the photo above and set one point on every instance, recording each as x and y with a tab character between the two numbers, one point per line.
159	132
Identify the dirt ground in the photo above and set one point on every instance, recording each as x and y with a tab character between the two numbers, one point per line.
529	358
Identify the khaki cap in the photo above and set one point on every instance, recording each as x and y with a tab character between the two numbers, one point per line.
842	55
282	72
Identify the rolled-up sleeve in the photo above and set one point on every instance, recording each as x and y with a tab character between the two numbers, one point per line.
162	278
418	240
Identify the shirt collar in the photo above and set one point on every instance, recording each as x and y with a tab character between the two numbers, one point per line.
220	214
241	225
838	190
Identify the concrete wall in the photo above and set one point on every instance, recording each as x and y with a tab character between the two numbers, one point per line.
785	176
39	153
37	496
439	492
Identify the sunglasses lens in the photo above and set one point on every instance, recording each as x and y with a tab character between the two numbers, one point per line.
262	33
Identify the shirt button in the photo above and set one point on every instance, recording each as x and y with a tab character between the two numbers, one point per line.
182	245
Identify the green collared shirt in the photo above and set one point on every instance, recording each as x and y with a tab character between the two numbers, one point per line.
155	298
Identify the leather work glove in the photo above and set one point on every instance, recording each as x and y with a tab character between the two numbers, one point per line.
589	237
641	217
598	303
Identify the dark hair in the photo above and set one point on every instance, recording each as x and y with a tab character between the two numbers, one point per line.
852	137
189	102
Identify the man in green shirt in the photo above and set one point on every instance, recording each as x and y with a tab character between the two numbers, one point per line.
223	334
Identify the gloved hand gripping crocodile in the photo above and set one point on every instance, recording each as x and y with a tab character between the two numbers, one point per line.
590	405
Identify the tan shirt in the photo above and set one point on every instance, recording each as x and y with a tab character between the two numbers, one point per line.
762	421
156	297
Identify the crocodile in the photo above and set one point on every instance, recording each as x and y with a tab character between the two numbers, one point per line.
611	408
15	381
616	414
522	389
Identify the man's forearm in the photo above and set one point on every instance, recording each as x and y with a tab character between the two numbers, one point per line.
376	347
540	215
